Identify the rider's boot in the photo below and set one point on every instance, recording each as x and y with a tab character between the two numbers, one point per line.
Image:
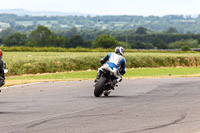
119	79
113	84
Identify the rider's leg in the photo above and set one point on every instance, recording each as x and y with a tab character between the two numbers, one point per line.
117	75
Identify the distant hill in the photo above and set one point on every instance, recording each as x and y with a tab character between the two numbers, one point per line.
24	20
22	12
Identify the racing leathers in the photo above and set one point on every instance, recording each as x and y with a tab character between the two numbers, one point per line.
116	62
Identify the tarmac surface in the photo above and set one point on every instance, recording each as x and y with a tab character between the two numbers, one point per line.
170	105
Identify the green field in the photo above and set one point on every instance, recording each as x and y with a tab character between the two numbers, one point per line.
28	23
90	75
20	63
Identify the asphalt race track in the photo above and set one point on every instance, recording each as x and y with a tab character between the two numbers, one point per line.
136	106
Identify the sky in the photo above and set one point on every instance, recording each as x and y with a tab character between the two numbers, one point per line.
108	7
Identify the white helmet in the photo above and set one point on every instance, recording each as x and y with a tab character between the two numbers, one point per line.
119	50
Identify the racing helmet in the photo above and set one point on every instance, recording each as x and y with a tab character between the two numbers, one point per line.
119	50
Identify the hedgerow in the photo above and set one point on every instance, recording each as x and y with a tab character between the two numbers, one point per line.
19	63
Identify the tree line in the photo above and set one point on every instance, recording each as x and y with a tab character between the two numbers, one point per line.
41	37
141	38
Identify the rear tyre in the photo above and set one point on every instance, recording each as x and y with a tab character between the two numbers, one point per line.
99	87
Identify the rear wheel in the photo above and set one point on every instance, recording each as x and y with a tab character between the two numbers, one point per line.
99	87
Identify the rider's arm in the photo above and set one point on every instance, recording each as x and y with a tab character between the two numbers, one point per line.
104	59
123	67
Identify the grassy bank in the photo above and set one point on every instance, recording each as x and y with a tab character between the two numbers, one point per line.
20	63
85	75
131	73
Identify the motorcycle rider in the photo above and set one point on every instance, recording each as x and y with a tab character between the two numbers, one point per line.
116	62
2	67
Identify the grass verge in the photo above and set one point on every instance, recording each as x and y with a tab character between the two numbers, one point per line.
88	75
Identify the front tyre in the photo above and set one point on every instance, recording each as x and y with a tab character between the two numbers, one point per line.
99	87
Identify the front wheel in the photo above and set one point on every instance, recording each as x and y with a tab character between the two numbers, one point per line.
99	87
